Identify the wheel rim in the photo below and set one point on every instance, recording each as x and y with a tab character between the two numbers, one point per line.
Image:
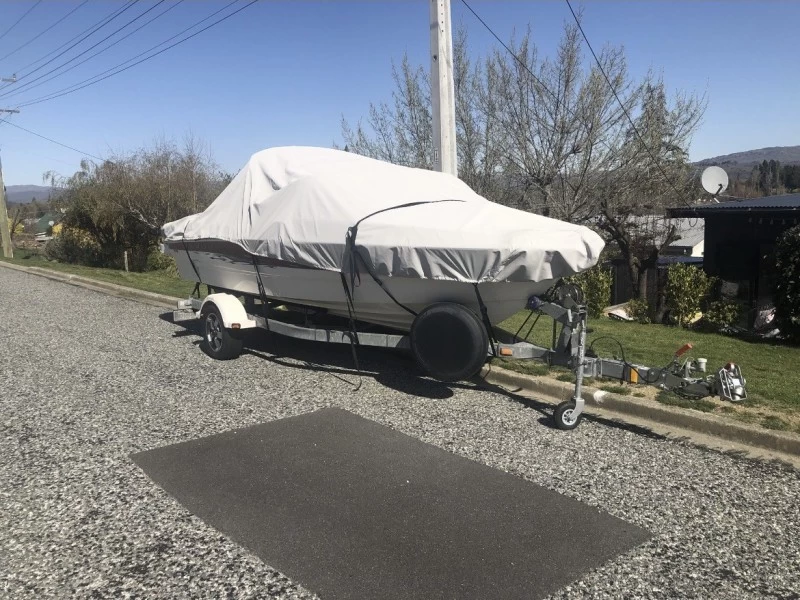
213	332
568	417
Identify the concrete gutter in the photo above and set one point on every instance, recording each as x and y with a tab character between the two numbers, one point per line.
112	289
703	428
708	429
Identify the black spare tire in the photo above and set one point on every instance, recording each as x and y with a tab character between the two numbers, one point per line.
449	341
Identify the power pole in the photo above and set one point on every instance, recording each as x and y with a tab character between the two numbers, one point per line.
442	89
5	234
8	250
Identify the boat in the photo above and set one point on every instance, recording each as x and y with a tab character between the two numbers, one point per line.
371	241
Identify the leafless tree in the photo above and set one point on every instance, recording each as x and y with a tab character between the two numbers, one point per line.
552	135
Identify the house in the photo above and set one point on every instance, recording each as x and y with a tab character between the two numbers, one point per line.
740	240
688	248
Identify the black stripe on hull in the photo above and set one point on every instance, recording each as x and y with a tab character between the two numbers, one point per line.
232	251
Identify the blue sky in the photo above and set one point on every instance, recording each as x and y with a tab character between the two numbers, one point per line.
283	73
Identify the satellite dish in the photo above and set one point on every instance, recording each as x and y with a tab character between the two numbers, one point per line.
714	180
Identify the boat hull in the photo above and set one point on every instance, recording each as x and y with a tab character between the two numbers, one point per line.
286	282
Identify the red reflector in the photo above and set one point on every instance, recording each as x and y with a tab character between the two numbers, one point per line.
506	352
236	326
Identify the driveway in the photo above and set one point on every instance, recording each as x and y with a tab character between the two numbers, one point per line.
86	380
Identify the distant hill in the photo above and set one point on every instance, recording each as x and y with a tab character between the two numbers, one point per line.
22	194
740	163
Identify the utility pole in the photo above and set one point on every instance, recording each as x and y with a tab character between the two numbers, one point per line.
442	89
5	234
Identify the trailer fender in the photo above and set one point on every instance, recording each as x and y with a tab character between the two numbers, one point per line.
234	316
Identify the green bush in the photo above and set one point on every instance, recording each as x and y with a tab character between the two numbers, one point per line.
74	246
721	314
596	286
787	283
158	261
687	286
639	309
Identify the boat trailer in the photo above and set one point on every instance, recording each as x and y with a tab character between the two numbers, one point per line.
226	319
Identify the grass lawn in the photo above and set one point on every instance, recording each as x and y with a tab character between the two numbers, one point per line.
771	370
153	281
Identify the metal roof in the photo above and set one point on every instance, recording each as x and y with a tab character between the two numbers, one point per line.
784	203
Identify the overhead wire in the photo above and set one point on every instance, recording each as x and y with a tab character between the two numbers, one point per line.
555	96
127	7
647	149
21	89
17	22
91	29
36	37
111	72
44	137
88	58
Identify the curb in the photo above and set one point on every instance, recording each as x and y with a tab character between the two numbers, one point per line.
547	390
556	391
113	289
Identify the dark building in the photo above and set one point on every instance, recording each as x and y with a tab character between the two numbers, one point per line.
740	245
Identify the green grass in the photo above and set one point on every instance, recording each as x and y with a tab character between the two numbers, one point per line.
615	389
152	281
770	370
773	422
671	399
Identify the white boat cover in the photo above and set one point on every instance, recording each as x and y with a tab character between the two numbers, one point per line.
296	204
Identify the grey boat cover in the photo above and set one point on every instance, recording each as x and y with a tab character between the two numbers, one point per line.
296	204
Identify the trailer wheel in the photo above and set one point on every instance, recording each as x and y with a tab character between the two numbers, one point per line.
219	342
449	341
564	416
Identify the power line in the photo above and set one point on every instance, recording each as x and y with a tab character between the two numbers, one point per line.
42	66
20	89
625	110
53	141
88	58
5	33
91	29
33	39
102	76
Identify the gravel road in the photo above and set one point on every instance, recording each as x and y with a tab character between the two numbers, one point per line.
87	379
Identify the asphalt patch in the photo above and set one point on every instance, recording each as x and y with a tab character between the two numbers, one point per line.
352	509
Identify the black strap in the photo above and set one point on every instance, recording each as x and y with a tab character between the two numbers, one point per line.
189	256
486	322
262	292
351	252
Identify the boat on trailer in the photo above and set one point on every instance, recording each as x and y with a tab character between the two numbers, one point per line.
372	241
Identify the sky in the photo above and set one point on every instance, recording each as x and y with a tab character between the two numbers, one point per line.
285	73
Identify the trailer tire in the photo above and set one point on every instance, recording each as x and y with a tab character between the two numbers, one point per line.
449	341
219	342
564	418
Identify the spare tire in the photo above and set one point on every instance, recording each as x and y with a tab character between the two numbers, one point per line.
449	341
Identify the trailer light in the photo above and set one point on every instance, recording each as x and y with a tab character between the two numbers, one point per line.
506	352
236	325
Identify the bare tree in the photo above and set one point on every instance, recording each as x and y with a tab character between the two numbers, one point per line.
652	174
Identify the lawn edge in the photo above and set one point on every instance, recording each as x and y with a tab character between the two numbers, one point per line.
554	392
97	285
545	388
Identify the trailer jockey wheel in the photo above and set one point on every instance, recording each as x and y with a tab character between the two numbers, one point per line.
449	341
564	415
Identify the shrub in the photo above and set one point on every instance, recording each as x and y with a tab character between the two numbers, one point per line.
787	283
74	246
687	286
596	286
721	314
638	309
158	261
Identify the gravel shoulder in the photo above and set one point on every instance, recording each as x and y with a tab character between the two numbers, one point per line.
89	379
